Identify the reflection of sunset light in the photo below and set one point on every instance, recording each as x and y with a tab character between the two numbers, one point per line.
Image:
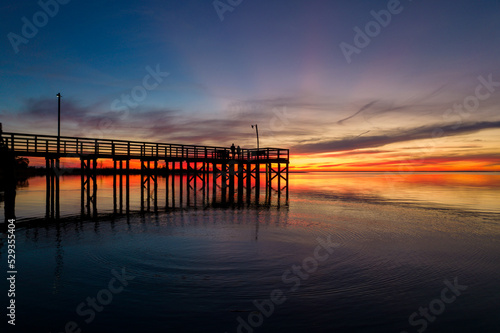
380	162
472	191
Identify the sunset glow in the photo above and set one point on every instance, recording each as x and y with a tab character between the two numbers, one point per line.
412	97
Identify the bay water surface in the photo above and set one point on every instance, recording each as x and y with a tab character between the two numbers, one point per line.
349	252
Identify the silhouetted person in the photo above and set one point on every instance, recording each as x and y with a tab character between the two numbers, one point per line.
238	151
233	148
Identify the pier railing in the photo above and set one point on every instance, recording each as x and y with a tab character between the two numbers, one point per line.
64	146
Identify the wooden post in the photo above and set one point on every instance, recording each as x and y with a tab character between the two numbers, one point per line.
249	180
279	182
156	183
231	180
148	177
223	181
173	184
127	186
167	174
94	208
121	186
114	185
47	190
189	172
287	168
181	178
52	188
257	181
56	175
240	182
214	182
142	185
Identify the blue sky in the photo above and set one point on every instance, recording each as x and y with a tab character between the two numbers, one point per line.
275	63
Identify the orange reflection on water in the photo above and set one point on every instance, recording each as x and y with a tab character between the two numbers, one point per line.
476	191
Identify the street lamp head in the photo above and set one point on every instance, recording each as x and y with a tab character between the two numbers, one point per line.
58	95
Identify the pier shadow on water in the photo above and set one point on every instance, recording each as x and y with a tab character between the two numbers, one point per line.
58	195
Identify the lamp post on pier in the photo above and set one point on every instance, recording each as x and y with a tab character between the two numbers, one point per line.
58	123
257	131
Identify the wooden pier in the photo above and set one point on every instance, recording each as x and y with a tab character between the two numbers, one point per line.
221	174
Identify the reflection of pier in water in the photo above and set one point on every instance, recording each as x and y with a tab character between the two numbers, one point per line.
192	175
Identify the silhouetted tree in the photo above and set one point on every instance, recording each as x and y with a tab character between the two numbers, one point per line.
22	163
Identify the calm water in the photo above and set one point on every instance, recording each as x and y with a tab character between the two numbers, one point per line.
389	243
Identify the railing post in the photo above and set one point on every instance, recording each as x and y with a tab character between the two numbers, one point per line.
12	142
36	143
96	148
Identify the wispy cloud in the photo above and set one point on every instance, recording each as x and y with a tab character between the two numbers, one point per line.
393	136
365	107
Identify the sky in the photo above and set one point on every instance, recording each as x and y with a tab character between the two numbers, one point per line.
345	85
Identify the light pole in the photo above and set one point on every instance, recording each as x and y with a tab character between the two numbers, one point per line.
257	131
58	122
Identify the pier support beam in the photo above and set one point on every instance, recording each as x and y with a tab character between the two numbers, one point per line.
149	174
257	182
241	178
89	185
118	186
52	207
